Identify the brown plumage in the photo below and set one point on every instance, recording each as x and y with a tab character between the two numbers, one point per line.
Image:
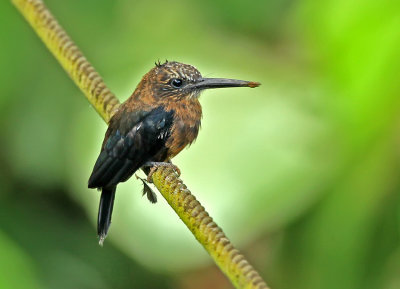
159	120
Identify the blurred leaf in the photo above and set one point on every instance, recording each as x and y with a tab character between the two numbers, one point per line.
18	269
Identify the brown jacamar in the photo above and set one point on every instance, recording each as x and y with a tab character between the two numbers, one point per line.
151	127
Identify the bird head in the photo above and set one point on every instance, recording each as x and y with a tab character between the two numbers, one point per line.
183	81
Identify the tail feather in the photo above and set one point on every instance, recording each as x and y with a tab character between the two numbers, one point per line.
105	212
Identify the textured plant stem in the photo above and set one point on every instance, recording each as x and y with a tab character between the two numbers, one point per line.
69	56
206	231
231	262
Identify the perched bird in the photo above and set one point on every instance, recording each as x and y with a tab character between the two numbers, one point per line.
151	127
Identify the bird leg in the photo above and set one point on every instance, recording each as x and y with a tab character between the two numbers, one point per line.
156	165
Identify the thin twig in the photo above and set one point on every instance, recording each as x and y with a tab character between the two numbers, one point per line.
231	262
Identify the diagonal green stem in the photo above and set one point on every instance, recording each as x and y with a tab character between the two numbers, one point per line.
206	231
70	57
230	261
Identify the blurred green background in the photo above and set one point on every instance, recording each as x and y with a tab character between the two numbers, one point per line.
302	173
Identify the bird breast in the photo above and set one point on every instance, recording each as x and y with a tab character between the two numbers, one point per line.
185	128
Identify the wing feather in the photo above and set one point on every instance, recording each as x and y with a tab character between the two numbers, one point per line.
126	149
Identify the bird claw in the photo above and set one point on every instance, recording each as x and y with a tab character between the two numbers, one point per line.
156	165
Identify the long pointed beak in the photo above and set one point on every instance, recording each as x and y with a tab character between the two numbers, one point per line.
206	83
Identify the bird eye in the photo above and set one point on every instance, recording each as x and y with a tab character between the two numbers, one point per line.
176	82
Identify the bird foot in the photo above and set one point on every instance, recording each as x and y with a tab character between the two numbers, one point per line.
155	165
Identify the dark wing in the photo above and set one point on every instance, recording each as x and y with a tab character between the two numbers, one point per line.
130	142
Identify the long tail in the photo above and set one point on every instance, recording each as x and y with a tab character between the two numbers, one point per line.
105	212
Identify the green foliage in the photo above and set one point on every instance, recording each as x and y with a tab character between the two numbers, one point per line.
14	264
